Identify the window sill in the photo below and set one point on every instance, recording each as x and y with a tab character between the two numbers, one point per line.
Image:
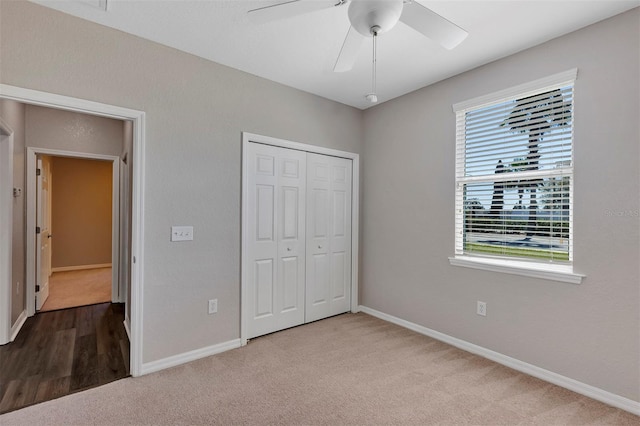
562	273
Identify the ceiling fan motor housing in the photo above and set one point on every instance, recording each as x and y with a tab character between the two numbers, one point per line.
366	14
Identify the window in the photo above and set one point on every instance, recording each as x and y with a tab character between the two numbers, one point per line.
514	177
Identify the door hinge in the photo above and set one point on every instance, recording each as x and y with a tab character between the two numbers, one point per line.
37	172
37	229
37	288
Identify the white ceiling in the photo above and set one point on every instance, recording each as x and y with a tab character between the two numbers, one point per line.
300	52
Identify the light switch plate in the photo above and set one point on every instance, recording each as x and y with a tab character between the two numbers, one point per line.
213	306
181	233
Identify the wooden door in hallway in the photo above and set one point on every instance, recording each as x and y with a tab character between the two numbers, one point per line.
43	232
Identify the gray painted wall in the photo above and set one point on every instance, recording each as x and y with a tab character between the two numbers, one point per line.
195	113
81	212
13	114
72	131
589	332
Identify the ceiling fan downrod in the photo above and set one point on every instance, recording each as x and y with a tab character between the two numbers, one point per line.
373	97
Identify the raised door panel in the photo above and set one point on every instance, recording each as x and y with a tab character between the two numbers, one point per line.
265	205
290	267
290	213
318	298
339	279
263	287
339	214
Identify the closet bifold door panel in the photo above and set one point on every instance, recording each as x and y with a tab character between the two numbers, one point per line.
276	241
297	247
328	245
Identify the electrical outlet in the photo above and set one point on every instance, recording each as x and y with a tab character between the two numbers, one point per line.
482	308
213	306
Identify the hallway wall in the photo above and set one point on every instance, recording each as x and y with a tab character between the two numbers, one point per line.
81	212
72	131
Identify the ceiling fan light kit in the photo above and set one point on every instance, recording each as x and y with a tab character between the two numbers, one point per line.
369	18
364	15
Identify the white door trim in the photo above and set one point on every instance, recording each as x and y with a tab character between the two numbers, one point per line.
355	214
31	159
35	97
6	229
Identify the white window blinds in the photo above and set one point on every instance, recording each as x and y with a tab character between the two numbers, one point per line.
514	172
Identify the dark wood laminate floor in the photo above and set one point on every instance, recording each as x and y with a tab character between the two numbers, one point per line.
61	352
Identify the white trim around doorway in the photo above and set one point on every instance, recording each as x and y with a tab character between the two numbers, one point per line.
355	214
6	228
50	100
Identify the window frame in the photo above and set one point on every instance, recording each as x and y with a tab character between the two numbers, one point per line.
524	266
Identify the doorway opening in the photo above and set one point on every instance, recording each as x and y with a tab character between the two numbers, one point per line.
134	250
40	203
76	206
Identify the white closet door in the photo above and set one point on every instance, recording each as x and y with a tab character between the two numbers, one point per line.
328	283
276	185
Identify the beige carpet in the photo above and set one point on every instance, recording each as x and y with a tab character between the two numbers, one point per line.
350	369
78	288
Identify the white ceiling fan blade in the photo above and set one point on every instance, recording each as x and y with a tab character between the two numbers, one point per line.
432	25
286	10
349	51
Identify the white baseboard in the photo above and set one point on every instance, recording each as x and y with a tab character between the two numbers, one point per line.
80	267
15	328
532	370
172	361
127	326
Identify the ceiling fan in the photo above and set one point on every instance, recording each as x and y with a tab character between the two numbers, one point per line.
369	18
